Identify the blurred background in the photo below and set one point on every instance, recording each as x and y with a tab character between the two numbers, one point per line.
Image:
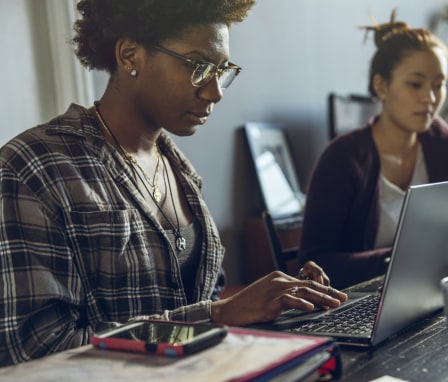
293	53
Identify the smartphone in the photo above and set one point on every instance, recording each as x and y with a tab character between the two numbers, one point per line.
169	338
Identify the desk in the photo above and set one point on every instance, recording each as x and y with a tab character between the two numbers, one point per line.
419	355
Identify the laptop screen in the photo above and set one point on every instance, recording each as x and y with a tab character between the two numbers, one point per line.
274	169
419	260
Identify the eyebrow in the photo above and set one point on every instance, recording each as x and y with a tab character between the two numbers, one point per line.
206	58
419	74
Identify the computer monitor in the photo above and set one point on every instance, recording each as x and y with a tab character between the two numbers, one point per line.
275	170
349	112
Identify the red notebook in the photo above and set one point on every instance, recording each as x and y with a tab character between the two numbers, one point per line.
292	356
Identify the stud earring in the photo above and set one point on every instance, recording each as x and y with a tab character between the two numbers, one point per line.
133	73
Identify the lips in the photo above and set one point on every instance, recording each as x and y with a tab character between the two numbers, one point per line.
198	117
424	113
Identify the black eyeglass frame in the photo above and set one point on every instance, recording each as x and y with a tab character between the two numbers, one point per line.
196	64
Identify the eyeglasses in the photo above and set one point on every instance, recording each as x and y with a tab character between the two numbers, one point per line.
203	71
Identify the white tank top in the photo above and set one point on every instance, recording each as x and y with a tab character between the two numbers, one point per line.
391	200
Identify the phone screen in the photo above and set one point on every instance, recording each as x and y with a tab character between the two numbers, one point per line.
161	337
161	332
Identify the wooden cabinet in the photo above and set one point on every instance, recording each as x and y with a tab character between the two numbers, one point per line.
257	252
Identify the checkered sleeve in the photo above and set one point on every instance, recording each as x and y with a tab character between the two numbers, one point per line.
39	286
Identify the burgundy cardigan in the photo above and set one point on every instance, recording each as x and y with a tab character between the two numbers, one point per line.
342	208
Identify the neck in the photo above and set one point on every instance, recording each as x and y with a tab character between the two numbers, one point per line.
133	135
392	140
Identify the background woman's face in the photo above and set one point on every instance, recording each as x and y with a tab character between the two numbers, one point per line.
416	90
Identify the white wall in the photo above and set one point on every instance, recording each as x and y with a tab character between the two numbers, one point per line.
40	75
294	52
21	86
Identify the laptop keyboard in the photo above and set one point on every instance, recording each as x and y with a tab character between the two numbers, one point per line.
357	318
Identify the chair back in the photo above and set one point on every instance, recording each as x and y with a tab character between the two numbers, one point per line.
349	112
280	256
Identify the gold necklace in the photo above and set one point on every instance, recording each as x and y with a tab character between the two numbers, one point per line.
156	193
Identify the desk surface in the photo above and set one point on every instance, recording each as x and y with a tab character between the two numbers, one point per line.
420	354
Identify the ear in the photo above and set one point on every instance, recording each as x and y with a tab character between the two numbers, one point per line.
127	54
380	86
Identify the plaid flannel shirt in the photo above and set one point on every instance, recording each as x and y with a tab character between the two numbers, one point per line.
80	247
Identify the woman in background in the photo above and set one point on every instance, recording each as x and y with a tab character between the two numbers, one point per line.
102	216
358	185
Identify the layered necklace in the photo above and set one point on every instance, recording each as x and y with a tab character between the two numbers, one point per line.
156	194
145	179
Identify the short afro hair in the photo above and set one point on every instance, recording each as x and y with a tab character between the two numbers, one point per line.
104	22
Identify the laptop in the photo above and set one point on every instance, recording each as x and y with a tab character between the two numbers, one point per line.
276	173
407	293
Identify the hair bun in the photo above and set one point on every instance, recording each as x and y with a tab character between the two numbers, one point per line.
383	31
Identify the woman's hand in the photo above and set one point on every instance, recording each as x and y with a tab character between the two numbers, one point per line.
266	298
312	271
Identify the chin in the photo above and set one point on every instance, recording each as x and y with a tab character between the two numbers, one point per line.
192	130
424	128
189	131
185	132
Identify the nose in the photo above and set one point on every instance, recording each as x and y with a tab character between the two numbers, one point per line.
429	96
211	91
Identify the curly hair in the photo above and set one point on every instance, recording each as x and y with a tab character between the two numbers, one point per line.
103	22
394	40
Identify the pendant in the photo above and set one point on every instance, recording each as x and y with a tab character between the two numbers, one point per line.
157	194
131	159
181	243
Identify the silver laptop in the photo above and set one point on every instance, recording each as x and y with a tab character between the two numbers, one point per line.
408	292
